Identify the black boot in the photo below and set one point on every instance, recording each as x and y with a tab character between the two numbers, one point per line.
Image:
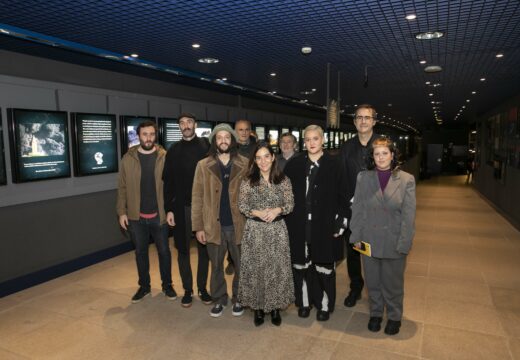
259	317
276	319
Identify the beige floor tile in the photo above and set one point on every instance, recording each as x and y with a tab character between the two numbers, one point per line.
8	355
507	303
407	342
460	291
514	347
416	269
467	274
359	352
445	343
463	316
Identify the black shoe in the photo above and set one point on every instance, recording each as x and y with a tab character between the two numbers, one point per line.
169	292
140	294
276	319
374	324
259	317
304	312
187	299
230	269
322	315
352	298
392	327
205	297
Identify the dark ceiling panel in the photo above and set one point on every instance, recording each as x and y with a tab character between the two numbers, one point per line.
254	38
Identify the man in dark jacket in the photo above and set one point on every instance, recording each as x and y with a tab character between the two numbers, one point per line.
179	170
140	208
316	223
355	153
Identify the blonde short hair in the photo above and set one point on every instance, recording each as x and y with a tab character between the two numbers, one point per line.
313	128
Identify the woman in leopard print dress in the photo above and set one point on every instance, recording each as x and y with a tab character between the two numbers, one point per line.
266	283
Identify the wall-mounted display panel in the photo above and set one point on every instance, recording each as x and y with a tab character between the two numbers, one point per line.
326	140
336	139
129	136
94	143
203	128
169	132
260	132
273	136
39	144
284	130
3	175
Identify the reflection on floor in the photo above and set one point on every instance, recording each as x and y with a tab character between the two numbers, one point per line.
462	301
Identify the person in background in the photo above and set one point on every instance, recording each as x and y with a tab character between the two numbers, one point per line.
246	144
179	168
266	283
288	148
383	215
215	217
355	153
140	208
316	224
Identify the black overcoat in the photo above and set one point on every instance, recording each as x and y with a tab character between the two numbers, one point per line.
328	200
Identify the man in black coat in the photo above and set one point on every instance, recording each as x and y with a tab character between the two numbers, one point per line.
316	223
355	153
179	170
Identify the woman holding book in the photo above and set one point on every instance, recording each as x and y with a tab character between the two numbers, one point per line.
383	219
266	283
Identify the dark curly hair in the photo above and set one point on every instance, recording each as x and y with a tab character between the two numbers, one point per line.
387	142
275	175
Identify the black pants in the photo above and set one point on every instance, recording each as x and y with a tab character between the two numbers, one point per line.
314	284
182	241
354	267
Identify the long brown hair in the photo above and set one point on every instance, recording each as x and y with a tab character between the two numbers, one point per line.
275	175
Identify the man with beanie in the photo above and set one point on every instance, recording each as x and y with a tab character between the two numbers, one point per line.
215	217
179	169
141	210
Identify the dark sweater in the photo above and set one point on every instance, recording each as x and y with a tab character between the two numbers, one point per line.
179	170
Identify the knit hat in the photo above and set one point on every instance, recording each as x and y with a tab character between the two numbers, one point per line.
222	127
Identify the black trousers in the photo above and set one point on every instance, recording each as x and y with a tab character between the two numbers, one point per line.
182	241
354	266
315	284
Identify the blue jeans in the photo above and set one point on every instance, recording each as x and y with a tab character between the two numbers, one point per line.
140	233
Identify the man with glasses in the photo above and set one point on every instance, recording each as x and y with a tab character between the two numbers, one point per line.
355	153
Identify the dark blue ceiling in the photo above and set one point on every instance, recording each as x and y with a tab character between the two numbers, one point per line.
254	38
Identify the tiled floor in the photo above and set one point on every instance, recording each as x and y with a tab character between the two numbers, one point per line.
462	301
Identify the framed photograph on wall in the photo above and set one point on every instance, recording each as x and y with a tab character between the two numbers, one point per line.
129	136
3	175
169	132
39	144
94	143
204	128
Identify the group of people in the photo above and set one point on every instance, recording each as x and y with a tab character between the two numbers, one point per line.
282	219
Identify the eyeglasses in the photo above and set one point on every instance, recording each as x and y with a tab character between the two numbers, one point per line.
366	118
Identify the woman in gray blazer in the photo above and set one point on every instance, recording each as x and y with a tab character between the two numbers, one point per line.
383	216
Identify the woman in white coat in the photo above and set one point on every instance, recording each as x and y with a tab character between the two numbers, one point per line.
383	216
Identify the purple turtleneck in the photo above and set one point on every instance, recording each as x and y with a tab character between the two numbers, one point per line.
384	176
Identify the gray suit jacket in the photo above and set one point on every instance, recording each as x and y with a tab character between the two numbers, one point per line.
385	220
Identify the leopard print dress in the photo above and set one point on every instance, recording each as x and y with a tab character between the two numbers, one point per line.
266	280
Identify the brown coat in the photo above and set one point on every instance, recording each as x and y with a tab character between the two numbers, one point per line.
205	198
129	184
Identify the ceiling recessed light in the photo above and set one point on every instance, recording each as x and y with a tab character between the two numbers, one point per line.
135	56
422	62
126	57
4	31
473	92
411	17
429	35
482	79
313	89
427	83
499	55
306	50
273	74
432	69
467	100
463	106
224	79
436	84
208	60
431	94
195	46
